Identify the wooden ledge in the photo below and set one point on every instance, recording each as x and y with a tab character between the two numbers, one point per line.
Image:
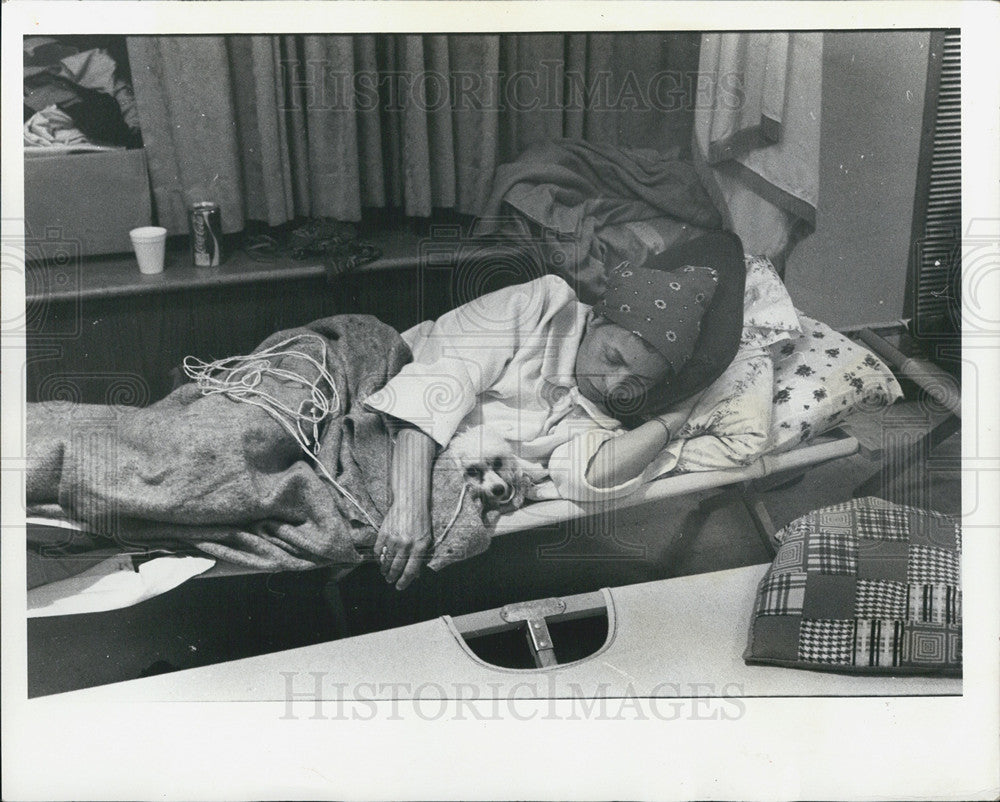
118	275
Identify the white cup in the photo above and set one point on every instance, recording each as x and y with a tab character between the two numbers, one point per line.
150	244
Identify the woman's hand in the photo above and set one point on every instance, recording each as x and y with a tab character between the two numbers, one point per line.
403	541
675	418
622	458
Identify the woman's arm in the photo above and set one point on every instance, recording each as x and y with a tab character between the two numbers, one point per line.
405	534
624	457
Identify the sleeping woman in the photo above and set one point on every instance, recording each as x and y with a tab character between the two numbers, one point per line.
549	375
282	459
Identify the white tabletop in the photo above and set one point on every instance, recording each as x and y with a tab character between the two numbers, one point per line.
679	637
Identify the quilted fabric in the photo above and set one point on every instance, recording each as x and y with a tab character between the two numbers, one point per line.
863	587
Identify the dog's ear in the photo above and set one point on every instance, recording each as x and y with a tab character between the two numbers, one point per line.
456	521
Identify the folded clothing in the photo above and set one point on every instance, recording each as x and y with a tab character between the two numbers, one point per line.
88	86
865	587
53	129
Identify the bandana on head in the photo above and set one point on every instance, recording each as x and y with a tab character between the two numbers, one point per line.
662	307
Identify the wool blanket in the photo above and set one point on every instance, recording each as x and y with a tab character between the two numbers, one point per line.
586	208
223	477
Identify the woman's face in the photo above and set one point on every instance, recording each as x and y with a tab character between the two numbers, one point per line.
616	368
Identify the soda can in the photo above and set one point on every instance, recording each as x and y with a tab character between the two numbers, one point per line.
205	221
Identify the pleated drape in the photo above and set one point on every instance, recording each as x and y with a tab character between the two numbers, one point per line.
757	126
278	127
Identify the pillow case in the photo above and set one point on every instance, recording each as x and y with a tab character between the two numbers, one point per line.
768	314
728	424
863	587
821	377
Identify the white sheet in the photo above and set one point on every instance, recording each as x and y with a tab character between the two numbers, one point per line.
113	584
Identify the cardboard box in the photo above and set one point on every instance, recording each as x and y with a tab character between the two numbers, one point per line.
87	200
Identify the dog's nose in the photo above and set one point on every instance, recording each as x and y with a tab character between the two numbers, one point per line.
498	490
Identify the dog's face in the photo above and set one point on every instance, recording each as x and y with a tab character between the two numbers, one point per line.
489	468
493	480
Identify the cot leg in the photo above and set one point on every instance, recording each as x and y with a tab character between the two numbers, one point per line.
335	604
760	516
911	458
935	383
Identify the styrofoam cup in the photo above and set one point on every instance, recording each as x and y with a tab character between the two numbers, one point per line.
150	243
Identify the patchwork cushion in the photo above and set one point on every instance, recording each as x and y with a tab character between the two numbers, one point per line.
863	587
821	377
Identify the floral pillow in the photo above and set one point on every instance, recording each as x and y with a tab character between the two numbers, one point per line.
821	377
728	424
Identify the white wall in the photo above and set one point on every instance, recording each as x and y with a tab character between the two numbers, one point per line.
852	270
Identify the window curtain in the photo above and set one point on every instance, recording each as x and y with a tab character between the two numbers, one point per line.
757	133
278	127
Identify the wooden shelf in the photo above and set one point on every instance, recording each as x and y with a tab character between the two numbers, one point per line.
119	276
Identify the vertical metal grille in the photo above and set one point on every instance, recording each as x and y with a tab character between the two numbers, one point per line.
937	233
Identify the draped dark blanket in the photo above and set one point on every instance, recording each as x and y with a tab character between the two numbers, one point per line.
225	478
581	202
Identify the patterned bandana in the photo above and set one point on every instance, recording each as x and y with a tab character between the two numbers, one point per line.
662	307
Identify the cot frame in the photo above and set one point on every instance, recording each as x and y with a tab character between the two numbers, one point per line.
791	464
796	461
933	381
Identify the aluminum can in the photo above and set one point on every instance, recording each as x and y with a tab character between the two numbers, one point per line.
205	222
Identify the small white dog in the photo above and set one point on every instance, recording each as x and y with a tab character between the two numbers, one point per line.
493	472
